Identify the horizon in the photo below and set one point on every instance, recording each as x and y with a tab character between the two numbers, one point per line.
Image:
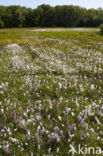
32	4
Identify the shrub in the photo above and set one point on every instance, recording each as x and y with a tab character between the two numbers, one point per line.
101	28
1	23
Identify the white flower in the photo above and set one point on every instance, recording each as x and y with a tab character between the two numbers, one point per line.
28	132
92	130
59	117
72	113
54	136
49	150
98	138
60	85
38	116
14	140
92	87
98	122
2	110
32	154
6	146
14	49
22	123
1	92
57	150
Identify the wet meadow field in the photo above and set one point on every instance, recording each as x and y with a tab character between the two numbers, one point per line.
51	91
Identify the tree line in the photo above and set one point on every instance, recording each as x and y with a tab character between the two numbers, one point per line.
48	16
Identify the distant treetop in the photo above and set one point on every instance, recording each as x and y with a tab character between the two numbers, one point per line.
47	16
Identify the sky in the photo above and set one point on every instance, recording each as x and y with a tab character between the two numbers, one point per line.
34	3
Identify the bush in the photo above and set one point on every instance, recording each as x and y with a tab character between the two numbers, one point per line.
1	23
101	28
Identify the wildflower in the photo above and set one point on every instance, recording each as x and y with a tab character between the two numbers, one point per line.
2	110
59	117
92	87
60	85
6	146
54	136
49	150
22	123
98	122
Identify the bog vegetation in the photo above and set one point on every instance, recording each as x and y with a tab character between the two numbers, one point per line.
51	92
47	16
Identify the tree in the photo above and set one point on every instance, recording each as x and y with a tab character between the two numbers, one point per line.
47	16
101	29
1	23
44	16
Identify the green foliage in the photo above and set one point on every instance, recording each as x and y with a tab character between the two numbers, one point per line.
1	23
47	16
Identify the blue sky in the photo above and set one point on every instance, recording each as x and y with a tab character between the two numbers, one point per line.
35	3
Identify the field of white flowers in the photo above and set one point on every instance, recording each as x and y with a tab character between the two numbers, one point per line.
51	96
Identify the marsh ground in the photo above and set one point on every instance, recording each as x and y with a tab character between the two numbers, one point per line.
51	91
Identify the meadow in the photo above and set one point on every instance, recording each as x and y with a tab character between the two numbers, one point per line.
51	91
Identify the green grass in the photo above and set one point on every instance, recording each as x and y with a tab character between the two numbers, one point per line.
51	91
